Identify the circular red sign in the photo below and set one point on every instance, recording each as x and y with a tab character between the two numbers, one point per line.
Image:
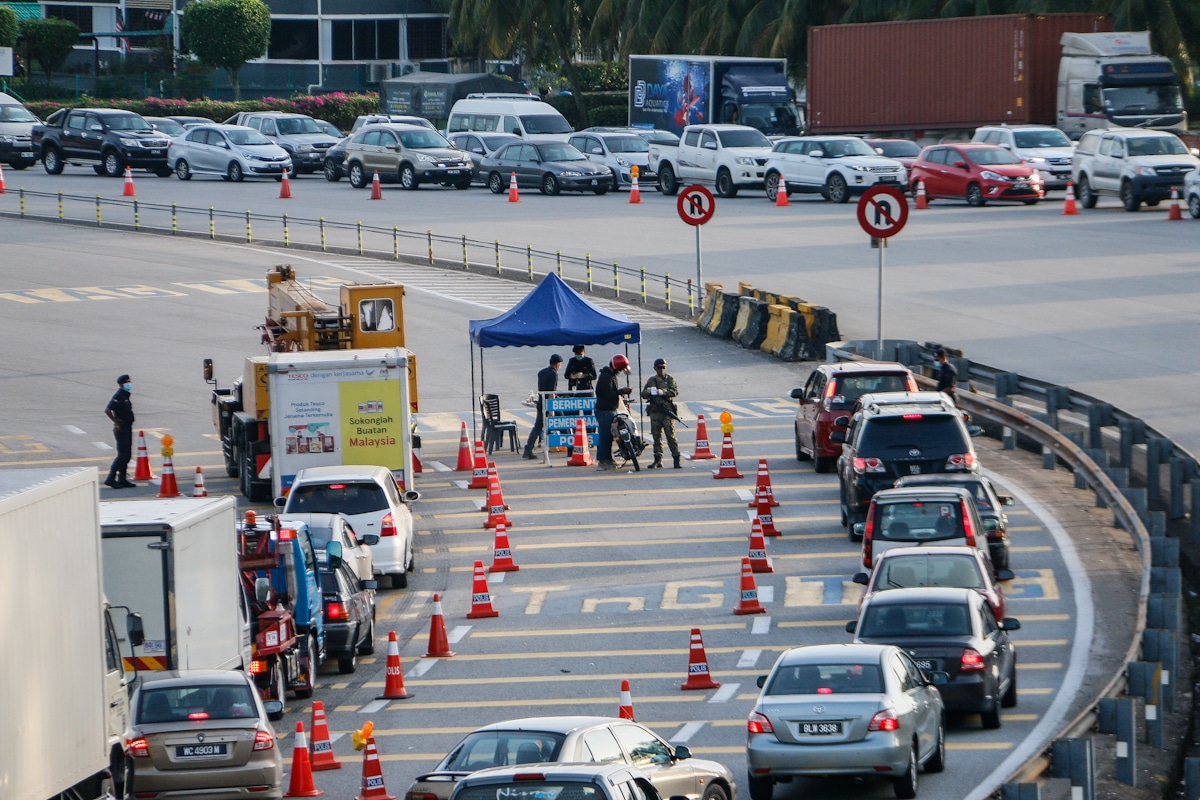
882	211
696	205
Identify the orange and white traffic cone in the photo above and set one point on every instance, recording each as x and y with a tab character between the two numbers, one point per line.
513	195
198	489
702	450
301	783
763	481
581	449
141	470
2	189
285	193
625	711
417	468
1069	208
502	560
481	598
635	193
922	200
372	775
168	487
748	603
781	195
439	643
758	549
479	473
376	187
493	475
464	452
495	504
129	190
393	684
322	747
698	676
1173	209
728	468
763	513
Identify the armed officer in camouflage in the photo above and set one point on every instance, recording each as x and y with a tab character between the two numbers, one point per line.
660	391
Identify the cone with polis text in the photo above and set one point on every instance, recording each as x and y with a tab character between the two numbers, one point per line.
763	481
285	193
702	451
728	468
502	560
759	562
626	709
513	195
698	676
493	475
464	452
439	642
372	775
393	684
198	489
141	470
922	200
763	513
481	598
322	747
376	188
301	783
1173	210
479	473
1069	208
748	602
635	193
128	191
495	503
581	449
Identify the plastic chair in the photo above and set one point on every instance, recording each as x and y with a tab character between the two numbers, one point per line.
494	427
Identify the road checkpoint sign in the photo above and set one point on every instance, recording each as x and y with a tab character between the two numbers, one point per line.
882	211
696	205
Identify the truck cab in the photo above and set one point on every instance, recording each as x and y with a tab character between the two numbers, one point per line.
762	101
732	157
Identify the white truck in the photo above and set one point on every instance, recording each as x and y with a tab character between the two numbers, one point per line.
175	562
64	706
731	157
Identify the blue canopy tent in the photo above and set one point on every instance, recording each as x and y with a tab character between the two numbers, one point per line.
553	314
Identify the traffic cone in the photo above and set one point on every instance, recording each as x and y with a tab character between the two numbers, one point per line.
513	195
376	188
481	598
748	604
764	480
781	197
763	513
285	193
322	747
141	471
922	200
464	452
698	676
502	560
301	783
372	775
479	474
728	467
758	549
635	194
702	451
198	489
417	468
626	709
495	503
581	449
168	487
1069	209
129	190
439	645
2	189
1173	209
393	684
493	474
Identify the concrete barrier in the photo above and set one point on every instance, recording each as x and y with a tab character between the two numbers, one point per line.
754	331
778	319
724	315
783	325
711	293
795	345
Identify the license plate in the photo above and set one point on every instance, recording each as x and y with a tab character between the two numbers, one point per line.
593	183
156	152
924	663
887	179
820	728
1022	186
200	750
914	469
451	172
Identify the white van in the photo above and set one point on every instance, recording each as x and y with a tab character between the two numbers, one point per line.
16	123
519	114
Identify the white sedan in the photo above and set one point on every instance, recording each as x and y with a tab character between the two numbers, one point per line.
231	151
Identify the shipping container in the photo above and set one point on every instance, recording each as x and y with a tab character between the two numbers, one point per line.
943	74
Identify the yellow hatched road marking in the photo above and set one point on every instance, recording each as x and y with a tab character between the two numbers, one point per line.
551	701
1019	717
1040	691
1040	665
1043	617
649	562
723	626
697	523
570	545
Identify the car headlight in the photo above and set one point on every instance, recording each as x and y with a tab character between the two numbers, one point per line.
1038	162
304	148
1144	171
571	174
859	168
622	162
744	160
425	159
8	139
131	143
988	175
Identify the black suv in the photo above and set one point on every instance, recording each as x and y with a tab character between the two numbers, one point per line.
886	441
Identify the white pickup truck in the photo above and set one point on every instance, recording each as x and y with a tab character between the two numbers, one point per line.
730	156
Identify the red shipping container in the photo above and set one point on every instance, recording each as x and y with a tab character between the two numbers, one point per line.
938	74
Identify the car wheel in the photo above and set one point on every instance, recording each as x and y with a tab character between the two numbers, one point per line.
550	185
1194	205
496	183
725	187
332	174
114	165
1030	202
1087	198
367	647
715	792
18	166
408	177
98	169
358	178
1129	198
836	189
666	180
294	172
760	788
843	506
771	184
800	454
183	170
822	464
234	171
164	172
975	195
309	664
347	666
601	190
937	761
400	580
412	559
905	786
991	717
279	682
463	184
1001	559
1009	700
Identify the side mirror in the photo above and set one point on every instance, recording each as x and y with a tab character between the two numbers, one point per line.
208	370
960	164
974	430
280	502
682	751
939	678
841	421
1005	499
1010	624
370	539
795	394
1117	154
878	151
837	437
394	147
1004	575
816	153
333	553
1006	145
709	145
135	629
96	128
861	578
860	528
262	590
851	626
760	681
412	497
274	709
991	525
370	585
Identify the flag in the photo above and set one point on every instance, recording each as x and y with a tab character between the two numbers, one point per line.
121	29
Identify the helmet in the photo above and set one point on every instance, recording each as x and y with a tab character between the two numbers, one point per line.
620	362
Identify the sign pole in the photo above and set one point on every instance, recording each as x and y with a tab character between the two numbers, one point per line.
699	279
882	213
881	244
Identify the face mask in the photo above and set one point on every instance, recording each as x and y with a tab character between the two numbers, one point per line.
127	386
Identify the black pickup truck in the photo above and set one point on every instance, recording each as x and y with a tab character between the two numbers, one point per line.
106	139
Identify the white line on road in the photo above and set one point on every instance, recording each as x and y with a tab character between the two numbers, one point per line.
687	732
461	484
766	594
423	666
761	625
439	467
73	429
497	577
458	633
373	706
749	658
745	495
103	445
333	737
725	693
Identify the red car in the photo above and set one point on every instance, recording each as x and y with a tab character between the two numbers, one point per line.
902	150
977	173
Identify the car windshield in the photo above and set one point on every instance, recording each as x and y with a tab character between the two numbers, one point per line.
492	142
1143	100
913	569
826	679
908	431
899	149
983	500
911	619
1051	137
423	139
289	126
559	152
851	387
16	114
1156	146
194	703
743	138
337	498
536	790
990	156
126	122
484	749
840	148
660	137
545	123
918	521
627	144
247	137
168	126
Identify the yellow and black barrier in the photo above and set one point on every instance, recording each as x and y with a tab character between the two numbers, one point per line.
783	325
712	294
754	316
778	319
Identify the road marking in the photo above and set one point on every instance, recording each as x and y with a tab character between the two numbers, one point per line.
687	732
745	495
518	702
1043	617
749	658
649	562
103	445
761	625
979	745
674	523
542	512
694	540
724	693
537	596
438	466
685	490
373	706
1030	583
722	626
423	666
458	633
73	429
814	623
1019	717
1040	691
1039	665
631	603
766	594
496	577
622	654
1041	642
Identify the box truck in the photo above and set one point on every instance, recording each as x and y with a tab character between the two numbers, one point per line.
175	562
63	698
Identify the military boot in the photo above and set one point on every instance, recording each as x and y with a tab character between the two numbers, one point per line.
677	464
657	463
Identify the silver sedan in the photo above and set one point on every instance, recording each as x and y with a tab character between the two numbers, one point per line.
231	151
845	710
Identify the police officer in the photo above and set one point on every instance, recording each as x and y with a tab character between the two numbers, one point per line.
660	392
120	411
947	375
609	394
547	381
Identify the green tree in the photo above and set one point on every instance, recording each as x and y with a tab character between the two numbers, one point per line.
49	42
225	34
8	26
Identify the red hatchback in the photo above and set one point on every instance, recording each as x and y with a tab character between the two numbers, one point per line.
977	173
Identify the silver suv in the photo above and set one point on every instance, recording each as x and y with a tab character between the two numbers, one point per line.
1045	148
1136	165
299	135
409	154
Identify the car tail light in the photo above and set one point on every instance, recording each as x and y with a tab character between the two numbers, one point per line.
830	391
757	723
264	740
287	534
862	465
868	532
960	462
529	776
912	416
885	720
388	528
258	667
198	715
336	611
971	661
139	747
967	526
911	382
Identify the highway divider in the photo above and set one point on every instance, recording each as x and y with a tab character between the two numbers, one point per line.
781	325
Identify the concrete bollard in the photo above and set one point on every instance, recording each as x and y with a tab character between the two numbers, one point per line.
1191	779
1099	415
1125	727
1164	610
1074	759
1164	552
1020	791
1165	579
1145	681
1163	646
1133	431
